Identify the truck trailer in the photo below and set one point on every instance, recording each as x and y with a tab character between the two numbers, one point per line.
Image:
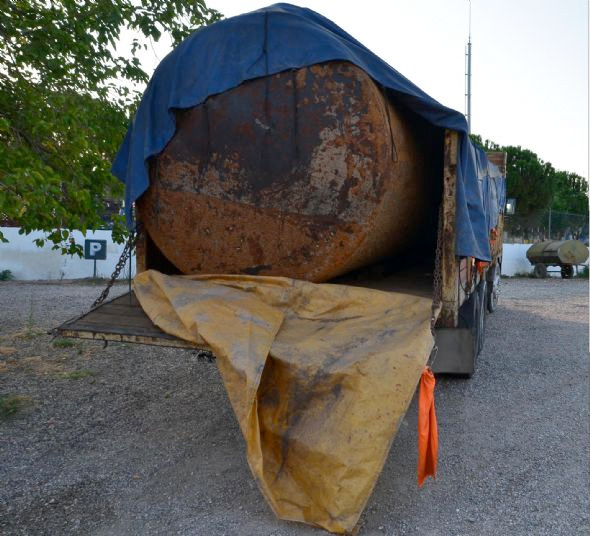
466	288
284	181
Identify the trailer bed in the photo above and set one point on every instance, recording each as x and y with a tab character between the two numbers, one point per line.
123	320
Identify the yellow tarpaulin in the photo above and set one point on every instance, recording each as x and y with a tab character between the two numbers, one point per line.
319	377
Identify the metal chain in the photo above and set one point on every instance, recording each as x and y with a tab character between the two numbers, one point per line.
437	276
131	241
436	286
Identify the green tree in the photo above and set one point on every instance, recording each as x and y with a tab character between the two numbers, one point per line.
571	193
536	185
529	180
66	95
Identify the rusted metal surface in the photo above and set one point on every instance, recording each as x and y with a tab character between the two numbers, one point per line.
497	240
308	173
498	158
449	266
141	264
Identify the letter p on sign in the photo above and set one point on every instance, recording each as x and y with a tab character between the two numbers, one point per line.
95	249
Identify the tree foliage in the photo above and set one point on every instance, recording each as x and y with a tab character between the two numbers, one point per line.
66	94
536	184
571	193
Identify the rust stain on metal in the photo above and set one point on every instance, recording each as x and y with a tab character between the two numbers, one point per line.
449	267
308	173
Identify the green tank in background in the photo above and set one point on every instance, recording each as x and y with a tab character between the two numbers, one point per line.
563	253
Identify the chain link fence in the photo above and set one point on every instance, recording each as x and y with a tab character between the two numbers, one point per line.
548	225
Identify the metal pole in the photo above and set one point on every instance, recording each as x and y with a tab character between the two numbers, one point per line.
129	280
549	237
469	74
469	86
94	276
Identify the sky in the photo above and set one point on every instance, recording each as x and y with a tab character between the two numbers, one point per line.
529	62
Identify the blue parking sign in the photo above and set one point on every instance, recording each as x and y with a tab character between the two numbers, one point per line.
95	250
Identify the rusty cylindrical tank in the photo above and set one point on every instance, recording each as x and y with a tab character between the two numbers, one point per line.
308	173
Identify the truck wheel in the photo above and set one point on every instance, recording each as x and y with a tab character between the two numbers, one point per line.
493	291
479	315
482	298
567	271
475	327
540	271
492	300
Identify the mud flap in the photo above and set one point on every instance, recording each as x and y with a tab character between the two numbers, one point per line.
455	351
459	347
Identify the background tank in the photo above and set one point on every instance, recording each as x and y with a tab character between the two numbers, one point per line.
563	253
308	173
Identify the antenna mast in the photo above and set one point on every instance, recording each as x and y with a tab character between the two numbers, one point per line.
468	75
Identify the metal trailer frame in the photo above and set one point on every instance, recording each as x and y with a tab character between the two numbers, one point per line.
469	290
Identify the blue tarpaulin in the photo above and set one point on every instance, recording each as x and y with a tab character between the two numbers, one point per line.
278	38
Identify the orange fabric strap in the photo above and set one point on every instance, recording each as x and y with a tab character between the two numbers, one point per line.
427	428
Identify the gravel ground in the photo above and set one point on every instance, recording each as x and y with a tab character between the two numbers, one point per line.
141	440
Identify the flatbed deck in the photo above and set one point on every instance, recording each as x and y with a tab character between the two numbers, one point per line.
123	320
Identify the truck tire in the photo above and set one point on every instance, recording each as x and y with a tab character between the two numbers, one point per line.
493	293
475	328
478	320
540	271
482	306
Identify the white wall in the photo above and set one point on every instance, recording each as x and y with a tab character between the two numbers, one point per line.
27	261
514	261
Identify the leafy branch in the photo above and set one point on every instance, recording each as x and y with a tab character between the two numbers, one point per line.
67	91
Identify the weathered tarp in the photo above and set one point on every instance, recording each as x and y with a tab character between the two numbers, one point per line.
492	187
319	377
274	39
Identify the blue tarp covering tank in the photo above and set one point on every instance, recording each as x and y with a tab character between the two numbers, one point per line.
280	38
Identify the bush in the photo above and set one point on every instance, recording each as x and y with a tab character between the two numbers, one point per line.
6	275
